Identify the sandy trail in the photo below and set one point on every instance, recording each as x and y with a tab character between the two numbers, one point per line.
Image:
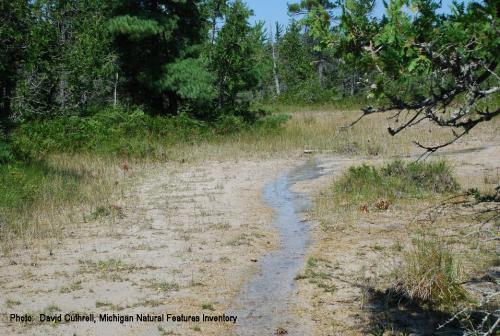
188	239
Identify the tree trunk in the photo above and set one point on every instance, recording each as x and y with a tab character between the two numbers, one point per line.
353	82
63	83
321	72
275	65
115	94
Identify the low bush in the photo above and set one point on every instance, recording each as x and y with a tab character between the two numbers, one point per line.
395	180
6	154
123	132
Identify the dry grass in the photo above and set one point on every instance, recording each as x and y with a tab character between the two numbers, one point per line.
76	187
383	240
84	183
321	131
431	273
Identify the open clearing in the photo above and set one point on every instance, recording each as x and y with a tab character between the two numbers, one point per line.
186	237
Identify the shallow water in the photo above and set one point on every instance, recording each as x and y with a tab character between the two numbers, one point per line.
262	306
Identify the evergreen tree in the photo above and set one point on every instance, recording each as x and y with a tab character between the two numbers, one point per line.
14	23
68	65
296	61
156	40
233	60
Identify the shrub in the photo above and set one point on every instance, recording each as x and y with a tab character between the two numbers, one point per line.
5	148
227	124
433	176
272	122
395	180
124	132
431	274
114	131
6	155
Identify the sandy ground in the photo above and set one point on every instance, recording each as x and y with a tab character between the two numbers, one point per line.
185	238
355	263
181	241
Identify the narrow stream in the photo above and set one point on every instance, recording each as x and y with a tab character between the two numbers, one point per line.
262	306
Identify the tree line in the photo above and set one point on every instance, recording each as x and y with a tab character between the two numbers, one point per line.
204	58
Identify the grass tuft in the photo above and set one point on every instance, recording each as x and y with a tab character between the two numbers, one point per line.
431	274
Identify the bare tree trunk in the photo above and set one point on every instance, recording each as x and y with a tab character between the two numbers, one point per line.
115	94
275	65
214	26
62	73
215	14
354	78
321	72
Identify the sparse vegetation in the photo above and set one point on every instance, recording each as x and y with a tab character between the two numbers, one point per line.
362	189
139	133
208	306
77	285
164	286
12	303
319	273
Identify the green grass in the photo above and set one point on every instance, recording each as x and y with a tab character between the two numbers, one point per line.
22	183
366	184
208	306
431	274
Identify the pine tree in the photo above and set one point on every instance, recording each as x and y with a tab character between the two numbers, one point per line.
68	65
14	23
155	40
233	60
296	59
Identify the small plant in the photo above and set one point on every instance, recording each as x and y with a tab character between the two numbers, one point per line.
73	287
208	306
431	274
163	286
312	262
395	180
11	303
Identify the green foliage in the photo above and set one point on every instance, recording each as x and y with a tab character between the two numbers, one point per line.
113	131
191	79
233	60
14	18
68	64
124	132
295	59
395	180
156	42
6	154
424	55
136	28
23	183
